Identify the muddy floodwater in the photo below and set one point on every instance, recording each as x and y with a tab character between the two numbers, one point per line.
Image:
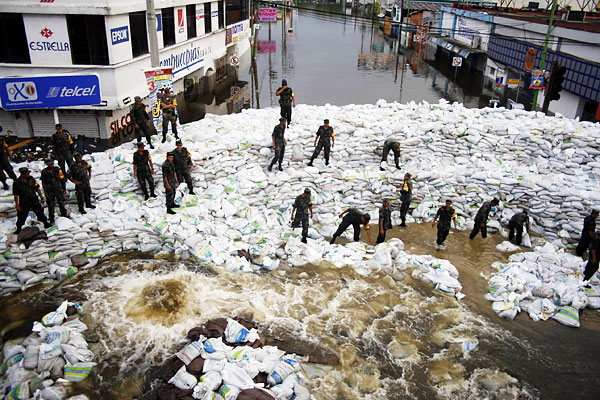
362	337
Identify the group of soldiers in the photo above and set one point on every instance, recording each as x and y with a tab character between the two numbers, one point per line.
28	195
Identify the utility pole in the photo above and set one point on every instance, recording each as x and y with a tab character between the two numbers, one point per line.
151	20
545	52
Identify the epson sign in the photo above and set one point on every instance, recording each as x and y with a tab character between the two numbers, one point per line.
119	35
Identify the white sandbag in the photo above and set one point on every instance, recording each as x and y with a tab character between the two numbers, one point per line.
190	352
236	333
183	379
567	315
235	376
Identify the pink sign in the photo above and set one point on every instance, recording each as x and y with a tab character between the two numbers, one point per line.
267	14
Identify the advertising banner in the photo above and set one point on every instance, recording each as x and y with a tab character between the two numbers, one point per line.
537	80
158	79
47	39
267	14
49	91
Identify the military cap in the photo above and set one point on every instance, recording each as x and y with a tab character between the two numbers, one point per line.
137	98
58	126
49	161
140	144
178	142
24	170
77	155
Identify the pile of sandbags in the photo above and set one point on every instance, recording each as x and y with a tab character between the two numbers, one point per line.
528	160
545	283
49	360
226	359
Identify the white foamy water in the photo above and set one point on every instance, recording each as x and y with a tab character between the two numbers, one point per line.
385	340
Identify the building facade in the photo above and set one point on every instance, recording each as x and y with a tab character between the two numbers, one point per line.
108	39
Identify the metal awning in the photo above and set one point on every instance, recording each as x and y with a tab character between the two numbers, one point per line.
453	46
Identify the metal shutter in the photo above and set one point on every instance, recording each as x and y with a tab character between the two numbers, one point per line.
7	122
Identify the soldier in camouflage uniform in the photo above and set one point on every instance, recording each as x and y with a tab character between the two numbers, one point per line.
80	174
394	145
183	165
286	98
62	146
140	120
170	180
54	184
26	191
278	144
303	205
5	164
143	169
326	139
169	112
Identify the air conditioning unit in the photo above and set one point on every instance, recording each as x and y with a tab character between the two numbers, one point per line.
476	42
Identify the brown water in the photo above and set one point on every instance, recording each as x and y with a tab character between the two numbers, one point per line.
374	337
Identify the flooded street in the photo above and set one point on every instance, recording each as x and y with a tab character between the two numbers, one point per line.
373	337
362	337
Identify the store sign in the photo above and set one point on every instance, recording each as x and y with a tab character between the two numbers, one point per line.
267	14
49	91
47	39
185	60
529	59
119	35
513	83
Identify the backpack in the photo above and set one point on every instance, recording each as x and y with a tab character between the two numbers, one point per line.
285	97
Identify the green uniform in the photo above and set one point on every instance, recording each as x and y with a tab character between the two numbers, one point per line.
143	171
169	115
183	161
302	205
79	172
140	117
26	191
168	171
55	184
61	146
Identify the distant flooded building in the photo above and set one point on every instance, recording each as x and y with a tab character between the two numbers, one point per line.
99	49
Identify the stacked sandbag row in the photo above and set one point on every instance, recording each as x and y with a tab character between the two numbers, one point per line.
545	283
528	160
47	362
226	359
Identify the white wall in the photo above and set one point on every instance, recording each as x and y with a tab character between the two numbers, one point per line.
119	50
200	19
569	105
214	12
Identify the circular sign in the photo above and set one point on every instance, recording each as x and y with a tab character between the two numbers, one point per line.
234	60
530	59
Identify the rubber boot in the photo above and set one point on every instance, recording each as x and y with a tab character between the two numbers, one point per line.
310	163
303	240
333	240
170	211
82	210
5	185
164	139
146	197
270	168
152	194
281	169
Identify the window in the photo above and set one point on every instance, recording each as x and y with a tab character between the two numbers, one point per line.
221	14
139	34
190	12
207	18
14	50
168	25
87	35
237	11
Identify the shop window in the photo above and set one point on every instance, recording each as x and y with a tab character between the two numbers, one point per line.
14	50
237	11
168	25
190	11
139	33
207	18
87	35
221	14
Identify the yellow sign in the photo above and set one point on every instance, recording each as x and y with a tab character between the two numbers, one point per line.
513	83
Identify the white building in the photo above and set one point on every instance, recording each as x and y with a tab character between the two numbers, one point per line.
109	39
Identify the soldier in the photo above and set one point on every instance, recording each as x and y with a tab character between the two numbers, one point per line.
516	223
170	180
55	187
355	218
278	144
303	204
286	98
385	220
405	197
481	218
143	170
445	214
80	174
5	164
62	147
140	120
394	145
594	259
26	191
326	139
169	111
589	227
183	165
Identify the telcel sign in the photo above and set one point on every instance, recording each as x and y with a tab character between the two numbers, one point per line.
49	91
